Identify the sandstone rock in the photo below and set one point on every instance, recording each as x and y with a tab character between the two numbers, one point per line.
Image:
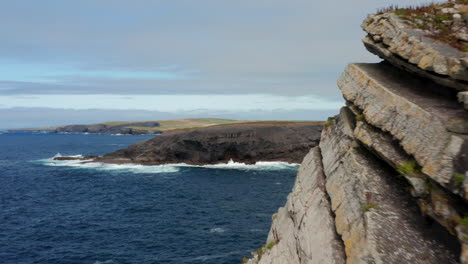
409	109
304	229
410	50
377	219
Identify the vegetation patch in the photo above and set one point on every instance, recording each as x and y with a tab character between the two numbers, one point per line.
360	117
458	178
270	245
409	167
464	221
368	207
259	253
442	22
330	121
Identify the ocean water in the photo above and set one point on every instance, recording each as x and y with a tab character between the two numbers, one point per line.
67	212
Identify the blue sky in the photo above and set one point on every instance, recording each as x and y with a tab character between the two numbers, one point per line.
110	60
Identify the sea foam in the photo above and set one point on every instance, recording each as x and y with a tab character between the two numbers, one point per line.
166	168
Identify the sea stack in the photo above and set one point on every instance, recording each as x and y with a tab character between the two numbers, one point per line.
388	182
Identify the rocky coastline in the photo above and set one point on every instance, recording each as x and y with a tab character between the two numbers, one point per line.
247	143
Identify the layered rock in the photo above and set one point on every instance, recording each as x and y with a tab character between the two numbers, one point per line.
394	162
428	126
246	143
304	230
411	49
378	220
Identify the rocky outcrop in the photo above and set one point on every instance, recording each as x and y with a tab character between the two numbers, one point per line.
391	170
246	143
412	50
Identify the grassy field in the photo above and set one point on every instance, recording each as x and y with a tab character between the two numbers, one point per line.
185	124
176	124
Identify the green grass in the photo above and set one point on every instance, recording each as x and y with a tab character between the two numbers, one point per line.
270	245
368	207
464	221
330	121
458	178
360	117
409	167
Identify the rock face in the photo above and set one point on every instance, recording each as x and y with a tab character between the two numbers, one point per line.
388	182
417	117
240	142
304	230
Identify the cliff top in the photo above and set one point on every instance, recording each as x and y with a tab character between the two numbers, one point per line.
445	22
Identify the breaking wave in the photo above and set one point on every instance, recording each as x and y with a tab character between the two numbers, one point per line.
166	168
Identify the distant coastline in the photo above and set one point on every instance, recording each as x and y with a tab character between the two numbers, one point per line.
129	127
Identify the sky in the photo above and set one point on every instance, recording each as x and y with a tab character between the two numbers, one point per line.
73	62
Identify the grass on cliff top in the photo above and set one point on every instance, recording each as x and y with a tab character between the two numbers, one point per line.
430	18
189	124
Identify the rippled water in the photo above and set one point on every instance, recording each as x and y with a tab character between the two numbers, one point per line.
64	212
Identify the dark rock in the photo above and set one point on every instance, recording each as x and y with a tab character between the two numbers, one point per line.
242	143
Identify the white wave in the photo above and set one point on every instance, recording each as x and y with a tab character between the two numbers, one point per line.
217	230
109	261
126	167
166	168
260	165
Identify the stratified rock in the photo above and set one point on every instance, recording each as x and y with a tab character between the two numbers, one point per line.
247	143
409	49
388	149
304	230
433	200
377	219
407	108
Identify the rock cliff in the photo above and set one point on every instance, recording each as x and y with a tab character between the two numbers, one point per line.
388	182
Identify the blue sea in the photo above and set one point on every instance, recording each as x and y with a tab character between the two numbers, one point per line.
68	212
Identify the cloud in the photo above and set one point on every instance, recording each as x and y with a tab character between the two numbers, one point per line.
228	47
176	103
24	117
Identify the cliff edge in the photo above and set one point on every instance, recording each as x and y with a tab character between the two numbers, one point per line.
388	182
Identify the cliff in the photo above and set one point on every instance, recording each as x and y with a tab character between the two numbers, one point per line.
248	143
388	182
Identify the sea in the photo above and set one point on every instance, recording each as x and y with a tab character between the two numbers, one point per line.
70	212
